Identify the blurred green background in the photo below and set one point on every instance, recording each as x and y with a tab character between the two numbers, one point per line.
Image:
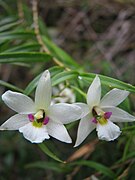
100	36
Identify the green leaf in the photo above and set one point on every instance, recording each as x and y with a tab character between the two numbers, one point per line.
45	149
79	91
26	57
16	35
126	148
108	81
7	20
63	76
55	70
60	54
97	166
130	155
10	86
32	85
47	165
9	26
24	48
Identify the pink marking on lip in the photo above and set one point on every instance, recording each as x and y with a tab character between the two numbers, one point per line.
94	120
46	120
31	117
107	115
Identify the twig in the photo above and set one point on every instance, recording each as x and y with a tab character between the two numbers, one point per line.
20	10
37	32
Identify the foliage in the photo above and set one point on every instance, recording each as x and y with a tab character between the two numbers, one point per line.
25	52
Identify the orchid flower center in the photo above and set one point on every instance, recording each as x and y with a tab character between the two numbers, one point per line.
99	116
39	119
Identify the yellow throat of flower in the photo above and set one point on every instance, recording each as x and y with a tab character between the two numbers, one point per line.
102	120
37	124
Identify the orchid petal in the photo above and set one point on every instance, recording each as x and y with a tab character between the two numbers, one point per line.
34	134
58	131
94	93
19	102
119	115
43	91
15	122
108	131
85	128
64	113
84	108
114	97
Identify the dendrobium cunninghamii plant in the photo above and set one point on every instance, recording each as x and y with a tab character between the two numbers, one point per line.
101	114
37	120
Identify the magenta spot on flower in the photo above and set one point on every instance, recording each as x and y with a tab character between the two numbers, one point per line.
31	117
94	120
107	115
46	120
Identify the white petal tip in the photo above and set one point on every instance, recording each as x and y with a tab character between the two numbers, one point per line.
97	78
70	141
2	129
46	73
94	92
75	145
5	94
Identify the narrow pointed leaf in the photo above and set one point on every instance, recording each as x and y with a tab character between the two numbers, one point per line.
63	76
45	149
8	20
9	26
16	35
47	165
108	81
24	48
26	57
97	166
10	86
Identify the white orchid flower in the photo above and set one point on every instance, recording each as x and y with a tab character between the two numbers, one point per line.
101	114
37	120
